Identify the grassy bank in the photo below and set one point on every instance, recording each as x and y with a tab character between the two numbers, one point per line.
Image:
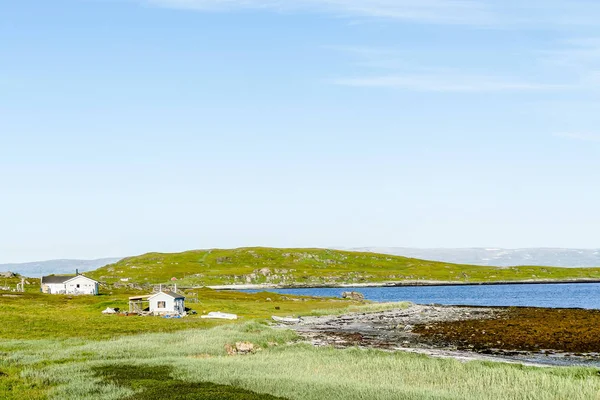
309	266
36	315
47	325
62	347
194	364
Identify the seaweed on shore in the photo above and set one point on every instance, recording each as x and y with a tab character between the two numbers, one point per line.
522	329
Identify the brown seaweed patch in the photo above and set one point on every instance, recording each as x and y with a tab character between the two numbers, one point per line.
521	329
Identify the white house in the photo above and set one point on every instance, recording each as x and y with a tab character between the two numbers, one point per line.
79	284
167	303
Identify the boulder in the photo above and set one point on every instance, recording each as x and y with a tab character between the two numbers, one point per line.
230	350
240	348
244	347
353	295
7	274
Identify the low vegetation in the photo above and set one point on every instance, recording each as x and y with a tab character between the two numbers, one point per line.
308	267
194	364
62	347
41	316
530	329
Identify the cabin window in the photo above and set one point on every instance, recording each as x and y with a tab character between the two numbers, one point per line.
162	304
78	286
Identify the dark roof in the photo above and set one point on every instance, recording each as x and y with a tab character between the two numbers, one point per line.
174	295
61	278
57	278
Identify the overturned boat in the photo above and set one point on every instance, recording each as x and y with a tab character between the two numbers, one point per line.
219	315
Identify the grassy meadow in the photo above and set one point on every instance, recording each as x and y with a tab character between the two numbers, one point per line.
193	364
35	315
62	347
309	266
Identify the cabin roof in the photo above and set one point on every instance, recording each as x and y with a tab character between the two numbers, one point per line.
57	278
62	278
145	297
169	293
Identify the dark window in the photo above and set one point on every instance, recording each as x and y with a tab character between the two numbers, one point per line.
78	286
162	304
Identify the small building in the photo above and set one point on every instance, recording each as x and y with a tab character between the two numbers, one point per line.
137	304
166	303
60	284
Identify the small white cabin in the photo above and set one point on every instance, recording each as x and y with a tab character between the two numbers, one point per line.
167	303
79	284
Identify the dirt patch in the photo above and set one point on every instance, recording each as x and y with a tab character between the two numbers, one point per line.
521	329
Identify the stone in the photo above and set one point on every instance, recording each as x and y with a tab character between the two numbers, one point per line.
244	347
353	295
231	351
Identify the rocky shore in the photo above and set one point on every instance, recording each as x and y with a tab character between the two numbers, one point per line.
534	336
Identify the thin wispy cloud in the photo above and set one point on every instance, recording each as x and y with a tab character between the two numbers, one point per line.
586	137
569	65
387	68
441	11
580	53
469	12
446	83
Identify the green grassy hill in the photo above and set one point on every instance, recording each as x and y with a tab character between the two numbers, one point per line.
308	267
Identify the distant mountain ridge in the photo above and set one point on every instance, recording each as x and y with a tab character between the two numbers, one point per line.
550	257
35	269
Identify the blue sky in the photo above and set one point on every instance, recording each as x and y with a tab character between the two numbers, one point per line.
129	126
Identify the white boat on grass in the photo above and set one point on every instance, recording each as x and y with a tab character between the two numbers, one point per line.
219	315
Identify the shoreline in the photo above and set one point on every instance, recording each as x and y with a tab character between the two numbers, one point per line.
267	286
431	330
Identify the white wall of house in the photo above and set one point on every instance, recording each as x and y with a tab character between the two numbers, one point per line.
55	288
163	303
81	285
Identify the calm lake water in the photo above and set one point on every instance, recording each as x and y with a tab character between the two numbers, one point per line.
580	295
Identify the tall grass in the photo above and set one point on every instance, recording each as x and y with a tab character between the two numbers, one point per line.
291	371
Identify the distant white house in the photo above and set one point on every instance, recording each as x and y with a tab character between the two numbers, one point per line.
78	284
166	303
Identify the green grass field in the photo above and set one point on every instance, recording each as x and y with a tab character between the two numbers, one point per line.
310	266
62	347
37	316
44	324
193	364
